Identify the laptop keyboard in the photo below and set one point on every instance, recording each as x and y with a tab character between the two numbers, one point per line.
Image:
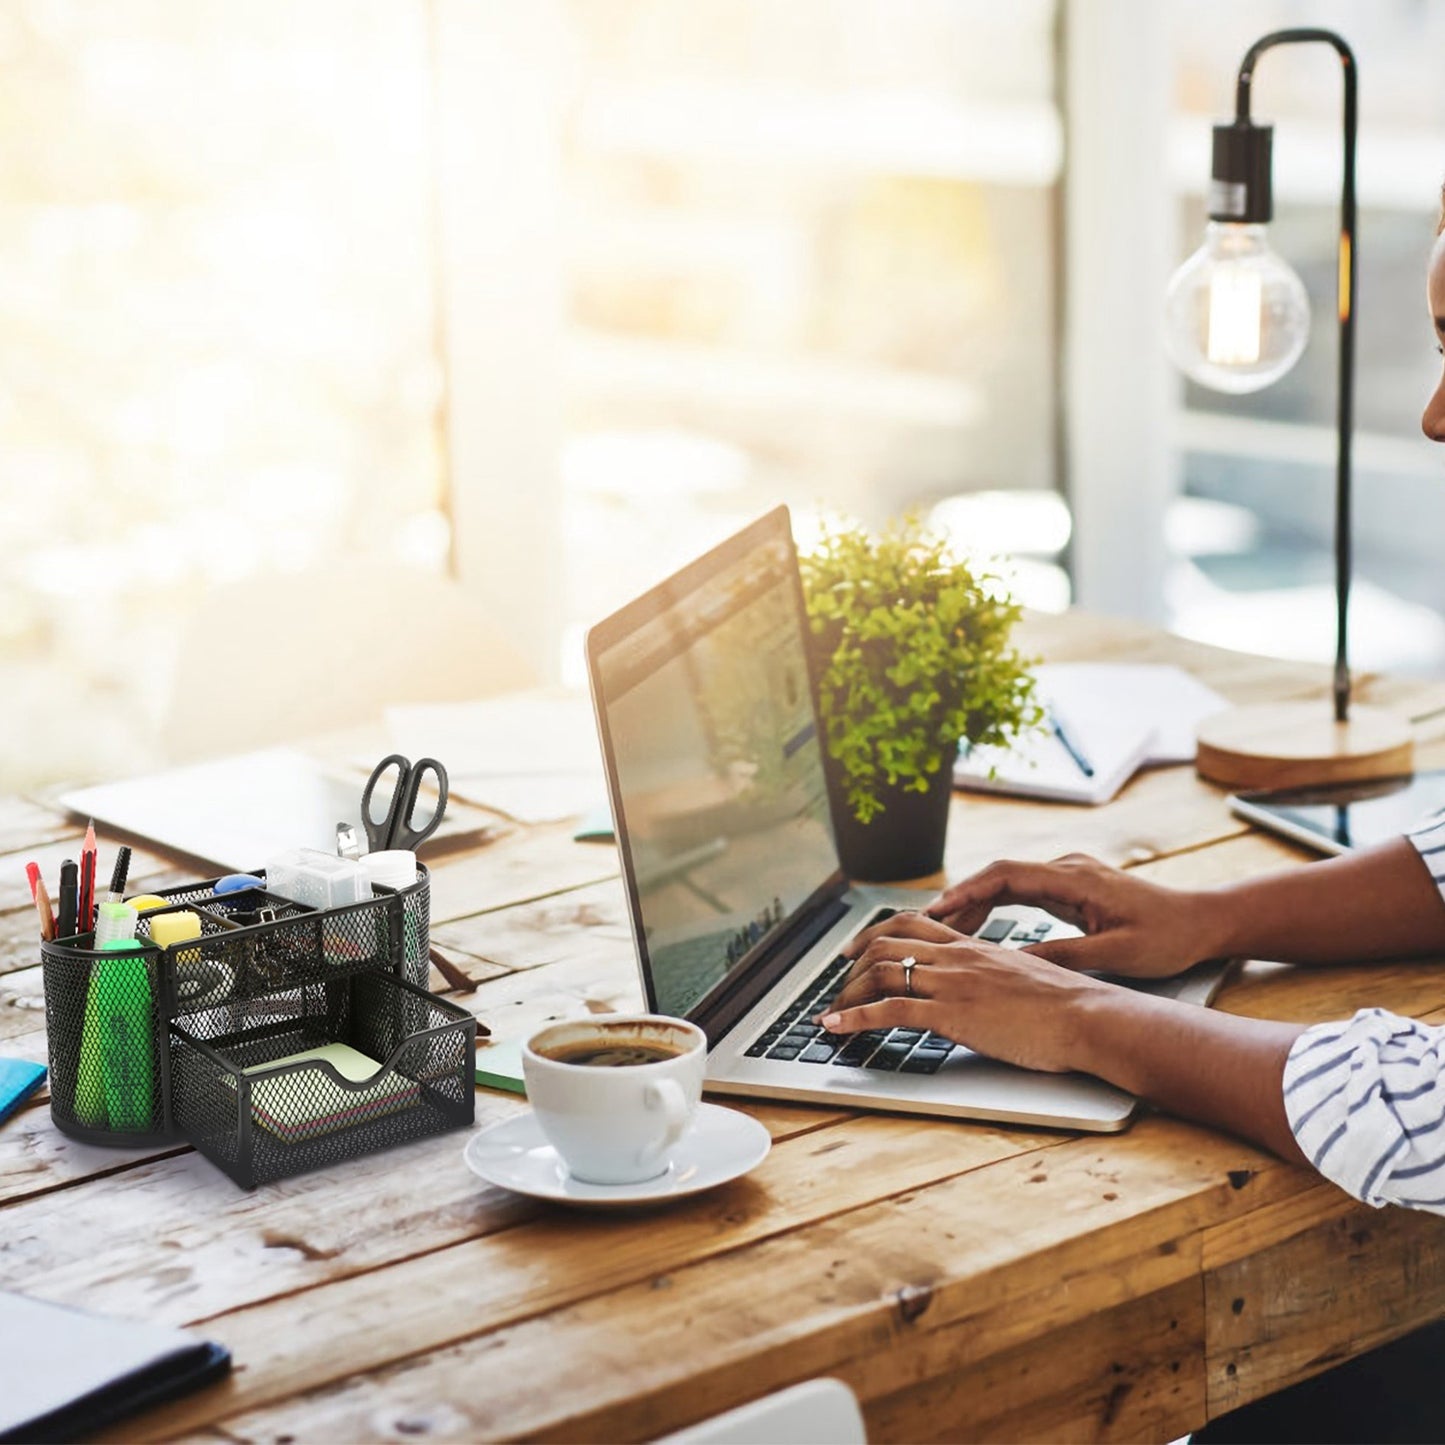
793	1037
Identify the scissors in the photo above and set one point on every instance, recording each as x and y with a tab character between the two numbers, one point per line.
398	828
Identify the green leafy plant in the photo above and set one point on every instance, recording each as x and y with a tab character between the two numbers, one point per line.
912	657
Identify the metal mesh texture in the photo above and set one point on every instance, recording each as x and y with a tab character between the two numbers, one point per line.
269	1124
238	957
300	944
254	975
108	1058
416	930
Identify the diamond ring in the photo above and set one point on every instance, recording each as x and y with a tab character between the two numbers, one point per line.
909	964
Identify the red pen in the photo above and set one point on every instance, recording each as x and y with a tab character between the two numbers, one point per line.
41	899
87	880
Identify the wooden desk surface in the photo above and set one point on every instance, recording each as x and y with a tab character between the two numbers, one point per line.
969	1282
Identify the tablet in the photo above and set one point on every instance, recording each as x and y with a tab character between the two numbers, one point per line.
233	813
1347	816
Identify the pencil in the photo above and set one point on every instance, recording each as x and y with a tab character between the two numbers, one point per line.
87	879
41	896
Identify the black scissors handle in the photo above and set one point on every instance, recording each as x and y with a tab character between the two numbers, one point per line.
404	831
398	827
379	830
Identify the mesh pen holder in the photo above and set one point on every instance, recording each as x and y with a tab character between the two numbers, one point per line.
259	1124
109	1055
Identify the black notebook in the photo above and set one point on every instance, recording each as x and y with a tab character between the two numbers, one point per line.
66	1373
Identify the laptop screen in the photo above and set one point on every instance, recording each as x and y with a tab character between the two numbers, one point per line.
717	768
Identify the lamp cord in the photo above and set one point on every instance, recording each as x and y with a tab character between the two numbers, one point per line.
1345	294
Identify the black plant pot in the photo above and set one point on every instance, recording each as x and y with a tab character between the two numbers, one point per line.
904	841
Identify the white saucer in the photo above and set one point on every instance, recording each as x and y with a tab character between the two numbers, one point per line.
722	1144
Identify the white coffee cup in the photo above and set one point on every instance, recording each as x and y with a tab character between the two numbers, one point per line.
615	1123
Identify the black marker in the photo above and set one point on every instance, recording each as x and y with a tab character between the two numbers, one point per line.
69	898
117	878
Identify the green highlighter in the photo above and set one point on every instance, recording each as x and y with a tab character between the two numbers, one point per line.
122	988
113	1082
115	1086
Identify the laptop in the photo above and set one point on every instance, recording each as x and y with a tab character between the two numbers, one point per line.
706	713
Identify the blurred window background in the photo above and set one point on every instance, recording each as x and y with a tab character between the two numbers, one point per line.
1255	530
217	345
810	257
285	284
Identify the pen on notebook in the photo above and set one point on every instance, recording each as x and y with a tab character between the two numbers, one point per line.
41	898
87	879
69	899
1056	723
118	876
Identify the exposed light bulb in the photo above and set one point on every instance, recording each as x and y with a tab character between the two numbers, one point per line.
1236	317
1234	323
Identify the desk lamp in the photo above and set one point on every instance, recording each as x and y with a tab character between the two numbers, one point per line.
1236	319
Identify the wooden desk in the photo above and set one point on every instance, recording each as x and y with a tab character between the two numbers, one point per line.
967	1281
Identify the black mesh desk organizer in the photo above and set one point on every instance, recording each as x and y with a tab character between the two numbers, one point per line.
155	1044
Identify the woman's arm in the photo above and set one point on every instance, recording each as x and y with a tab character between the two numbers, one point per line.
1361	1100
1191	1061
1380	903
1011	1005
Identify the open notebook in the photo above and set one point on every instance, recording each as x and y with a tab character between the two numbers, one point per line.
1120	717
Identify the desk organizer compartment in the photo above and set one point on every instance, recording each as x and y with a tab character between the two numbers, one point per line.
411	929
240	978
109	1062
390	931
271	1123
298	945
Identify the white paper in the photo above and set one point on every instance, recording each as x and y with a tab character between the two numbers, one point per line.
1120	716
1171	701
533	756
534	798
1038	765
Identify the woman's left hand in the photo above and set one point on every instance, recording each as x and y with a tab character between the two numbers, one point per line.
1002	1002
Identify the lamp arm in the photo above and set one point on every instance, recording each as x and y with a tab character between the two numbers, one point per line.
1345	294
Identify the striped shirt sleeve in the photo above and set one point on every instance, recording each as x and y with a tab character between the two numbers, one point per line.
1366	1102
1429	841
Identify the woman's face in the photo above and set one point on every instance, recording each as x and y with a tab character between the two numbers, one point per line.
1433	421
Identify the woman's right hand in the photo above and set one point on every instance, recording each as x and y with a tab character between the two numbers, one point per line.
1131	926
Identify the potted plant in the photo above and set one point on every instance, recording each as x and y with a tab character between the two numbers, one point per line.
911	658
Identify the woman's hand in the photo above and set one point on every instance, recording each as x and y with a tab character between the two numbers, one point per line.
1010	1004
1003	1002
1131	926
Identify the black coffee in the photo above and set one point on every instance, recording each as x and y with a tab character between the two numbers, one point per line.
610	1056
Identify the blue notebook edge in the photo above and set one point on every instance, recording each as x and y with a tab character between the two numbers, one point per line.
19	1079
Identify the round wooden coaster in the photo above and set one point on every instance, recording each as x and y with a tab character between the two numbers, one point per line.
1299	745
